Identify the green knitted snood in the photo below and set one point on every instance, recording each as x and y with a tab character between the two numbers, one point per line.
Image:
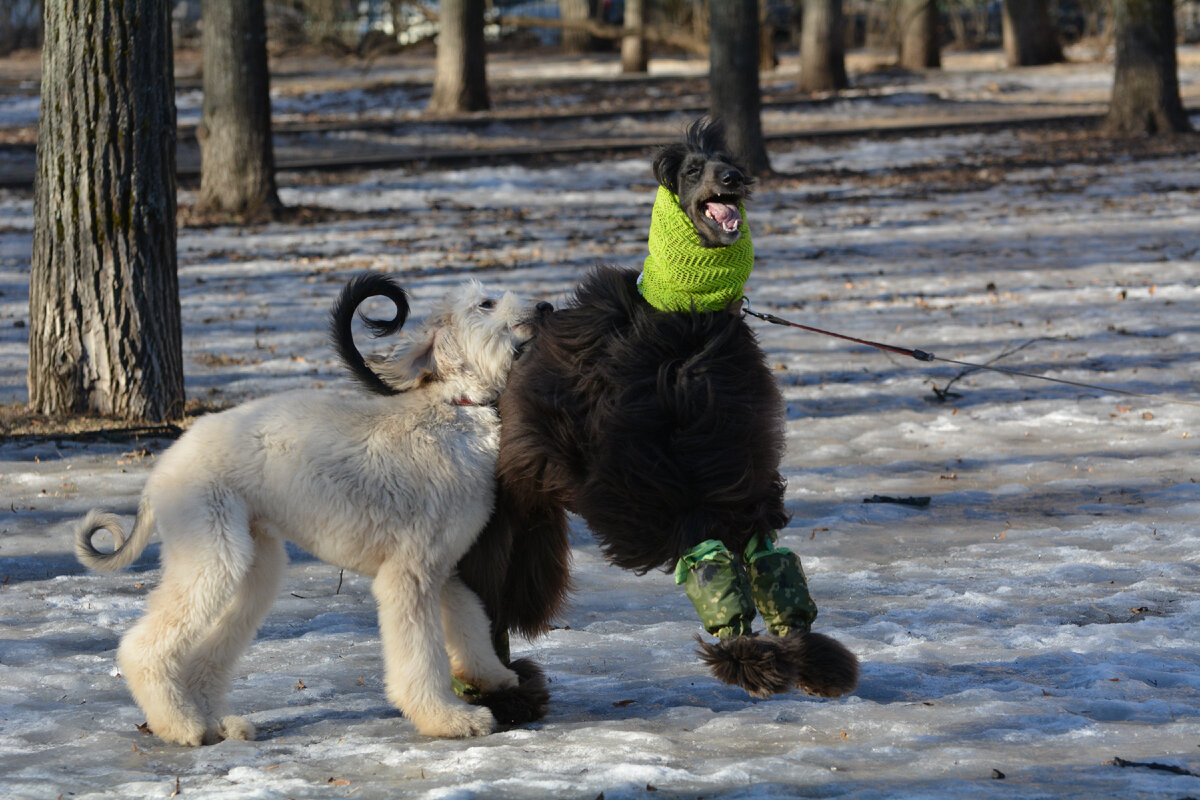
680	273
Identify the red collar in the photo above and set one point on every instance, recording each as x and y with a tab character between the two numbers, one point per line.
463	401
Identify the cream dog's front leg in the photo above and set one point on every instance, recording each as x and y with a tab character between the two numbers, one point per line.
416	667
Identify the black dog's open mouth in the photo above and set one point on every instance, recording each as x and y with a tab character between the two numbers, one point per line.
722	212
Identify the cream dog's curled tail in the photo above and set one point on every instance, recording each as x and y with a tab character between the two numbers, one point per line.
125	549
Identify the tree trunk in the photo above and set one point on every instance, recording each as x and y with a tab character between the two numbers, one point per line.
735	96
104	297
768	59
460	73
633	44
919	46
822	48
575	40
237	159
1145	97
1029	37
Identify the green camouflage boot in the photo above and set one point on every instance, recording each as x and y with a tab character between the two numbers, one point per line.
716	582
779	586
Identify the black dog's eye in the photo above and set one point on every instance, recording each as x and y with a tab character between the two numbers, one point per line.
488	304
692	172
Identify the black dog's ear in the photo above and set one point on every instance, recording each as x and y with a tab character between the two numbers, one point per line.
667	163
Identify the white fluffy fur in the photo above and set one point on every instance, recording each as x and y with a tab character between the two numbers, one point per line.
396	488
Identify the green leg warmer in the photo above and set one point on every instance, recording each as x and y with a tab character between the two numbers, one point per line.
779	586
717	584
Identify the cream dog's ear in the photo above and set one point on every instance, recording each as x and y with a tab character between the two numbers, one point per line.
413	362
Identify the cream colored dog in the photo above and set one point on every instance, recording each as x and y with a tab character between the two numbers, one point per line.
394	487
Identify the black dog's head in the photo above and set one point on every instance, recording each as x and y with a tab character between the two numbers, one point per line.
707	180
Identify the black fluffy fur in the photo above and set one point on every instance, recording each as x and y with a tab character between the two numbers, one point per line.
523	704
660	429
358	290
766	665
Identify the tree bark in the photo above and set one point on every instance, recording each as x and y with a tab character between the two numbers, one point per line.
104	297
1028	34
576	40
633	44
822	49
919	46
460	72
734	91
768	59
1145	96
237	158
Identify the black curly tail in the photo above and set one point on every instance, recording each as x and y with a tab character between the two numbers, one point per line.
766	665
357	290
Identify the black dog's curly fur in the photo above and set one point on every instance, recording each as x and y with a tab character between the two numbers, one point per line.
767	665
660	430
522	704
356	291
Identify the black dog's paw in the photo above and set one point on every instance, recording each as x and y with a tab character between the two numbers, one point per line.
823	666
751	662
767	665
524	703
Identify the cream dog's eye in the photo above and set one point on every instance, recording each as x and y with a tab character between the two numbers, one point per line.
488	304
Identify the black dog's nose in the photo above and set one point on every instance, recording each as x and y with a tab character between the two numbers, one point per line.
732	178
543	308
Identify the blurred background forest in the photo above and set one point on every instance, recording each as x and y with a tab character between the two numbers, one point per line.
369	28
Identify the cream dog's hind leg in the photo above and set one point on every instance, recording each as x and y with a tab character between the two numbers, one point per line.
214	658
206	555
417	669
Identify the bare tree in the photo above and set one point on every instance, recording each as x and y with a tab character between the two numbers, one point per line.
633	43
734	92
822	50
1029	38
460	73
104	297
768	59
237	158
575	36
1145	96
919	46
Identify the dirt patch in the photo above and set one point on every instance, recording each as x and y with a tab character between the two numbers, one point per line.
17	422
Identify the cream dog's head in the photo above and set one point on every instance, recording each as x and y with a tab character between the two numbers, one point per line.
464	349
467	344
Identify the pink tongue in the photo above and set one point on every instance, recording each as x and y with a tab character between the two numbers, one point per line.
724	214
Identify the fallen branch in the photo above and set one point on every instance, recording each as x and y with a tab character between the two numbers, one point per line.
919	502
1120	762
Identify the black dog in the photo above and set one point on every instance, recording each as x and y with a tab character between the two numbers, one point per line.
660	429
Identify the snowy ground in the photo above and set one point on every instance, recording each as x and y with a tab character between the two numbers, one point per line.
1034	621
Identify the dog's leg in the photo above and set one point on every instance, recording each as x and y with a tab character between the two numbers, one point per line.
417	668
201	571
211	666
469	640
